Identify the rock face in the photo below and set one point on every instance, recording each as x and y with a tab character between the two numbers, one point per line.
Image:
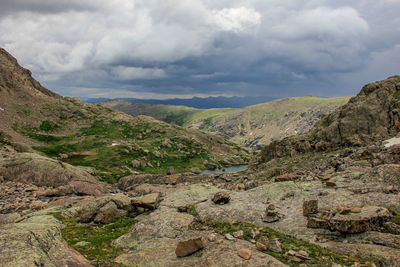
37	241
370	116
34	169
188	247
106	209
370	218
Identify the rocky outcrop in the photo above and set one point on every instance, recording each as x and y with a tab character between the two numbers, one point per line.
106	209
38	170
370	116
37	241
367	219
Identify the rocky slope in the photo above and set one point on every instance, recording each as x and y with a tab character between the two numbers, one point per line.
372	115
253	126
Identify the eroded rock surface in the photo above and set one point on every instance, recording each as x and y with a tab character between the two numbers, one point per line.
37	241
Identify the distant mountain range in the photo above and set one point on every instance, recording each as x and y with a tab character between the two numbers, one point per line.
196	102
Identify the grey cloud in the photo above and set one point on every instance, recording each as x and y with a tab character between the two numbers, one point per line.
203	47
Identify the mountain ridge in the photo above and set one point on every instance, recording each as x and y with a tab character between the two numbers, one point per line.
252	126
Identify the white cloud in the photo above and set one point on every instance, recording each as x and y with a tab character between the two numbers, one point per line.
237	19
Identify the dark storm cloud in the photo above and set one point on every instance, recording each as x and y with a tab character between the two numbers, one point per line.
203	47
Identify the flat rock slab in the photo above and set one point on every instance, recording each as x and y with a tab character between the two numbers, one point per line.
37	241
163	222
369	218
191	194
161	252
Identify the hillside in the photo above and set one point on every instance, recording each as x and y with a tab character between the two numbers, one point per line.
253	126
113	143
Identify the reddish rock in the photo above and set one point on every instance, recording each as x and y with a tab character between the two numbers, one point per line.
245	253
261	246
369	218
330	183
188	247
285	177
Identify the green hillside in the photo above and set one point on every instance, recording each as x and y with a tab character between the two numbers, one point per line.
252	126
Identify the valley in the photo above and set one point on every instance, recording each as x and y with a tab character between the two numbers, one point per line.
252	126
87	185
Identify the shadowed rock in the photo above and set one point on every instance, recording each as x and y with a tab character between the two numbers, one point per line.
188	247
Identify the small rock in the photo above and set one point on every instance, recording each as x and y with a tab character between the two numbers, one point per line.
20	219
250	185
271	214
264	240
345	210
356	210
285	177
261	246
275	246
195	170
38	205
389	189
136	164
291	255
221	198
240	187
254	233
171	170
212	237
229	237
304	255
188	247
244	253
330	183
310	207
238	234
149	201
82	244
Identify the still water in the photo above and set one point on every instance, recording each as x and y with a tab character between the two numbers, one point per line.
226	170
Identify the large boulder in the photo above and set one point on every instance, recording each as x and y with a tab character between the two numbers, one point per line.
106	209
37	241
35	169
369	218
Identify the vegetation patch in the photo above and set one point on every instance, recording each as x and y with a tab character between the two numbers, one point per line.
98	250
396	216
111	146
319	256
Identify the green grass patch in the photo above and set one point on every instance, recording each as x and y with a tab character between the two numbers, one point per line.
111	146
319	256
396	95
48	126
99	251
396	216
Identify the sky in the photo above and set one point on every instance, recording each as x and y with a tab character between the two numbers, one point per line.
184	48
